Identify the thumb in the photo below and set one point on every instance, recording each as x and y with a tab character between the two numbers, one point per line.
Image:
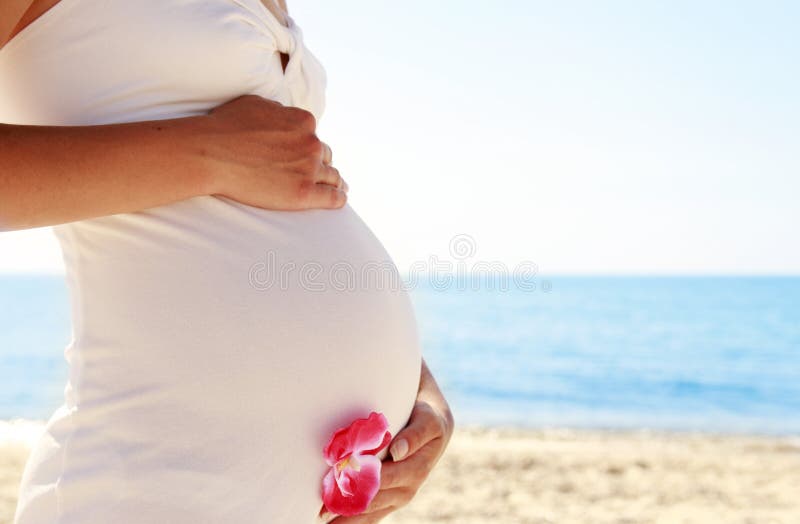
424	425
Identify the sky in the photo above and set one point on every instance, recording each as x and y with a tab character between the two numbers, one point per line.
586	137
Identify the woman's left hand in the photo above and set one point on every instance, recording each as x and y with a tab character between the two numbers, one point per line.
415	450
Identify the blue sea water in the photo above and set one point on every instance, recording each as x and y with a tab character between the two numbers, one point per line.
718	354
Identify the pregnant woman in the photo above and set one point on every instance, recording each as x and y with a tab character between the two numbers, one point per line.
206	237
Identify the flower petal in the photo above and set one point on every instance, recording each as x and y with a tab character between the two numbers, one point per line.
387	437
338	447
344	481
328	485
363	483
364	435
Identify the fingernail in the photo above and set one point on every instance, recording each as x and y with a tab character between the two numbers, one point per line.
399	450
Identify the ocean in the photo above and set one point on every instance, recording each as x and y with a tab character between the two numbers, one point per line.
712	354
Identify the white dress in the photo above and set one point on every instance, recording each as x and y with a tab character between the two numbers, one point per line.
215	345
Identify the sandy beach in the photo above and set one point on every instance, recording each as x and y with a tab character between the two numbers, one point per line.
510	476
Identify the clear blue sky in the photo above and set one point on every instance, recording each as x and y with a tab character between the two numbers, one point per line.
591	137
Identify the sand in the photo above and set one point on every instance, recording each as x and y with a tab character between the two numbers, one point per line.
509	476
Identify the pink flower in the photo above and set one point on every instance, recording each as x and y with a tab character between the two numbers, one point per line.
355	474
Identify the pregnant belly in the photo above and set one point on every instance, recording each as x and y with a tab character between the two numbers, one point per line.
216	347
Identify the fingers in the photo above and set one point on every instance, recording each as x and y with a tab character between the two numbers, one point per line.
392	498
327	154
327	174
400	482
325	516
326	196
415	450
330	175
413	470
364	518
424	425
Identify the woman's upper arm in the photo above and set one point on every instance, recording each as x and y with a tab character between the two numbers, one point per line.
11	12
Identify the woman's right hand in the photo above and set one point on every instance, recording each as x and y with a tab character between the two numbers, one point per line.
264	154
250	149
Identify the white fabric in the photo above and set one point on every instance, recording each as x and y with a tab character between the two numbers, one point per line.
206	372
